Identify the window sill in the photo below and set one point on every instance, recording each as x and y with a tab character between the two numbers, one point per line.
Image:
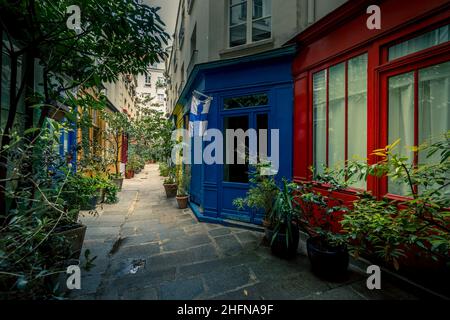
247	46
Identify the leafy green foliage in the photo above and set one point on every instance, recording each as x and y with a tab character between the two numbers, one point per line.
89	262
39	194
390	229
282	215
151	133
262	192
111	191
171	178
39	204
118	124
163	169
183	181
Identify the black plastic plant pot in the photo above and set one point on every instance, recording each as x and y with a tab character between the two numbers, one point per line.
74	235
92	203
279	246
329	262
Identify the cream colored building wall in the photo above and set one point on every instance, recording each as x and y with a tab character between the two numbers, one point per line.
122	94
210	20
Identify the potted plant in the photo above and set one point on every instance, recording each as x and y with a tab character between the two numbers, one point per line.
170	185
111	191
283	232
319	214
277	204
163	169
182	193
261	194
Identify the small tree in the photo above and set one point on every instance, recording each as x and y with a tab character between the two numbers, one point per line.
117	126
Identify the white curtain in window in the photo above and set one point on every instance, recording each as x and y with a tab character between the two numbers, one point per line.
357	111
434	106
434	103
336	116
320	121
401	121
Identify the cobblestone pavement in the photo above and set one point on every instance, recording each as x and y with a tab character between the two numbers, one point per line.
165	253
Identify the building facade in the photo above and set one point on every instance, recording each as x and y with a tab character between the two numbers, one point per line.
122	94
151	88
233	52
212	30
357	90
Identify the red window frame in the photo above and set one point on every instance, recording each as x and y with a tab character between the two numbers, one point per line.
327	66
411	63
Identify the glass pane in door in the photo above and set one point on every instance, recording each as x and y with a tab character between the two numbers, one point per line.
234	172
262	125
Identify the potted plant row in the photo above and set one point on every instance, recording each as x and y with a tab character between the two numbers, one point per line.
290	208
410	235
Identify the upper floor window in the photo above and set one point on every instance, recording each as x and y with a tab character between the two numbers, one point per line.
148	79
250	21
181	31
419	43
190	4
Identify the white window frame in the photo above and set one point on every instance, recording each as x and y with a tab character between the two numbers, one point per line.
249	24
148	84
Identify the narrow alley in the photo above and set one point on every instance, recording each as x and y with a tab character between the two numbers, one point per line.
146	249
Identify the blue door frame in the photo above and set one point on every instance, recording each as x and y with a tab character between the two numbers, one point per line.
236	189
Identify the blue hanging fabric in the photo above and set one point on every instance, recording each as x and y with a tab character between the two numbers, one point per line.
198	117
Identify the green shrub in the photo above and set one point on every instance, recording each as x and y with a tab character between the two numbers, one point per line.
389	229
164	169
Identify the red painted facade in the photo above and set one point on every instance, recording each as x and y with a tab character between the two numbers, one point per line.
342	35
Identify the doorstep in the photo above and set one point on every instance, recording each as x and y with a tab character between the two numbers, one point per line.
225	222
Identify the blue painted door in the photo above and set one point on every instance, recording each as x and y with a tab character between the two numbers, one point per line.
235	177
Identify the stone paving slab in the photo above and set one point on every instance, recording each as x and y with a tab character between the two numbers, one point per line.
162	252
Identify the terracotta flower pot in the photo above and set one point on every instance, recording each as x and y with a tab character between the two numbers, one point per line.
182	202
171	190
129	174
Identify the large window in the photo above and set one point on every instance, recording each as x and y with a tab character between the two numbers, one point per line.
419	103
250	21
340	114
